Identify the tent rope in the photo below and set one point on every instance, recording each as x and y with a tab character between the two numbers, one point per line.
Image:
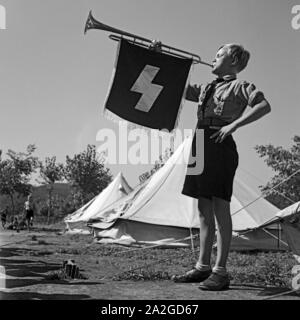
264	194
156	245
272	235
281	294
252	175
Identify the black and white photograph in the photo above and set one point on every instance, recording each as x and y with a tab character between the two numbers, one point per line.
149	154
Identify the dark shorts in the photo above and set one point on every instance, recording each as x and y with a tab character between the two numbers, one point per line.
29	214
220	164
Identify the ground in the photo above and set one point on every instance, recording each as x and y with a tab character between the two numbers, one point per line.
32	259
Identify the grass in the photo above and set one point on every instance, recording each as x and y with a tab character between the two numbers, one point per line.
256	268
61	275
266	268
117	263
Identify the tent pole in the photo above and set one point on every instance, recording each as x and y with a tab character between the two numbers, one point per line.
278	236
272	235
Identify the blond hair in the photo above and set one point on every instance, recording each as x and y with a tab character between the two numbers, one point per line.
238	51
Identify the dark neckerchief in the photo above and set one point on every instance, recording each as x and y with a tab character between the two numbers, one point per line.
210	89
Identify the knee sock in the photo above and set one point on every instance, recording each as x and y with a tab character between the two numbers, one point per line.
202	267
220	270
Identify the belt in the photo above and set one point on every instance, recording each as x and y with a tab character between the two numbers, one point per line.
212	122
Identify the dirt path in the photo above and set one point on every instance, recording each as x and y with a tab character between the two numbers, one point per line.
29	257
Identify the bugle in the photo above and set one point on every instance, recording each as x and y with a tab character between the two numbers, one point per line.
92	23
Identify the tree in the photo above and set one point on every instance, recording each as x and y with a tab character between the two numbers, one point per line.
87	174
286	164
51	172
15	173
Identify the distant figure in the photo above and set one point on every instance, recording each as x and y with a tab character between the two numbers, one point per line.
29	211
4	214
14	224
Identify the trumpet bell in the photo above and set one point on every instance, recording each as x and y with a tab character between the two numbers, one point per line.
92	23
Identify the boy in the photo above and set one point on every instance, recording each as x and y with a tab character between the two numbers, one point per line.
29	211
220	113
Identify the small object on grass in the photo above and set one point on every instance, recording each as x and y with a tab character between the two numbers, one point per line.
68	271
71	269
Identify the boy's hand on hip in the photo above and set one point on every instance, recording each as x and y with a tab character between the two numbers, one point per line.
223	132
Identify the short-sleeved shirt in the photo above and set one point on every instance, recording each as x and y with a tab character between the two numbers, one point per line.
228	101
28	205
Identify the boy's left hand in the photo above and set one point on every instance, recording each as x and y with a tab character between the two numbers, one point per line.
224	132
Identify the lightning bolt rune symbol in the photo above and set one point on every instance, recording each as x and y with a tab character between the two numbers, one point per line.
150	91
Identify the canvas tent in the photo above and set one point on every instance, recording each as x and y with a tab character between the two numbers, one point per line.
289	219
118	188
157	213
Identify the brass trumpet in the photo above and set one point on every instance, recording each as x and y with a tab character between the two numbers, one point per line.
92	23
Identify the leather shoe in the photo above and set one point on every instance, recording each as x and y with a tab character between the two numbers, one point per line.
215	282
193	275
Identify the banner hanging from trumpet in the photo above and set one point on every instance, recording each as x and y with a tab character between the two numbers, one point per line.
147	87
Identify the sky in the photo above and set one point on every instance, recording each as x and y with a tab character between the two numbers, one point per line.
54	79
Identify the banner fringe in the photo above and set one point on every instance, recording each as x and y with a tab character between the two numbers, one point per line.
163	134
